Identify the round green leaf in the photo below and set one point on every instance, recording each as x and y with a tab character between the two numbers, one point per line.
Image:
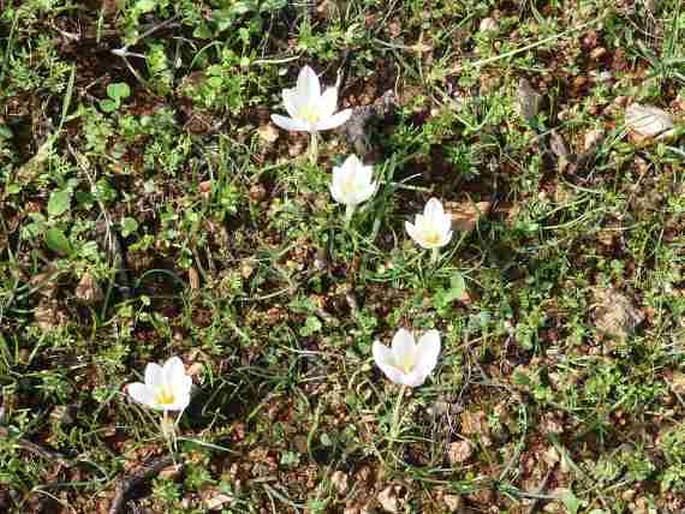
59	202
118	91
57	241
128	226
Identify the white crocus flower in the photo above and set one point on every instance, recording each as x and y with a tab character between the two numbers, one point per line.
352	184
433	228
166	387
406	362
309	109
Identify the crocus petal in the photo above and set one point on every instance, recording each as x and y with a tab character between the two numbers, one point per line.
419	230
351	163
411	230
290	123
365	174
373	187
446	239
182	386
336	193
428	351
446	223
366	193
291	102
338	183
139	393
308	85
383	357
340	174
334	121
329	102
403	345
153	374
181	396
182	401
174	371
414	379
187	384
433	209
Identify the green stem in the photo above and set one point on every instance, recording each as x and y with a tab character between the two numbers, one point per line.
395	428
349	211
169	431
313	147
435	255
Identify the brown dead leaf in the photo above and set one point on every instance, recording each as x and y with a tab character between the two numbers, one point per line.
677	383
45	283
194	279
339	479
452	502
88	290
459	451
389	499
529	100
557	144
109	7
171	472
614	313
205	188
195	369
48	315
215	500
593	138
465	215
559	149
268	134
476	424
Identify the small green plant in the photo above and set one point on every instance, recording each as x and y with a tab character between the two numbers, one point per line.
116	92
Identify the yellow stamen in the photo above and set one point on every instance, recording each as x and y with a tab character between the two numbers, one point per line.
349	186
406	363
165	395
309	113
432	238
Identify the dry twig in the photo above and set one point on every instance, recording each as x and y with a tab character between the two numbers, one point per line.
36	449
128	483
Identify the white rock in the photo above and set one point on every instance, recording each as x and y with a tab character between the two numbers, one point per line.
340	482
647	121
488	25
268	133
593	138
389	500
459	451
452	502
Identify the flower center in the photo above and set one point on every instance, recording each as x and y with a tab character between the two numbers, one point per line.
349	186
165	395
309	113
406	363
432	237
